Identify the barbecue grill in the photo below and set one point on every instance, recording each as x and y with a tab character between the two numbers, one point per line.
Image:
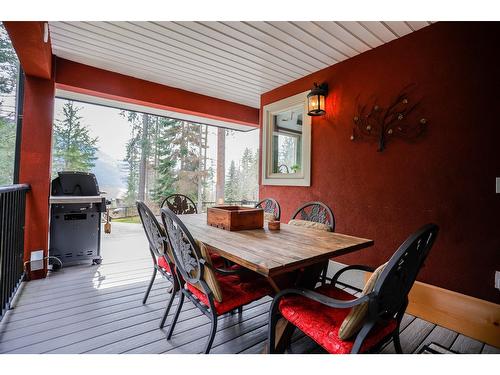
75	218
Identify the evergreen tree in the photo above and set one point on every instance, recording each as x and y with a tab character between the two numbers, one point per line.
8	78
132	170
74	149
232	186
167	159
8	63
246	175
7	150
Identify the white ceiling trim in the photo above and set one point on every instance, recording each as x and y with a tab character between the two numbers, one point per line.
235	61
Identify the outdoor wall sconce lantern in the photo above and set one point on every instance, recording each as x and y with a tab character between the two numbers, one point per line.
316	100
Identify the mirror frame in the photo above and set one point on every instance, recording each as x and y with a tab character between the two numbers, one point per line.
291	179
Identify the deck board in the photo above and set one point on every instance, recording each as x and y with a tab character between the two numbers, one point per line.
438	335
98	309
467	345
488	349
411	336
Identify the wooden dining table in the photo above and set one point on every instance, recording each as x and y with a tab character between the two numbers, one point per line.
277	254
272	253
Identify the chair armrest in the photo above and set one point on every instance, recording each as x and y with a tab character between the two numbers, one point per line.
335	277
321	298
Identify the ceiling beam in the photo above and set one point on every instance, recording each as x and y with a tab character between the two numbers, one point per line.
34	54
88	80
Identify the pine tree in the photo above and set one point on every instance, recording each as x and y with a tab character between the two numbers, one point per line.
8	63
7	150
248	175
8	79
232	186
167	158
74	149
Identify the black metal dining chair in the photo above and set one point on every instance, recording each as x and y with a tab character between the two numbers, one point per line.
213	291
160	252
316	215
342	323
272	209
316	212
180	204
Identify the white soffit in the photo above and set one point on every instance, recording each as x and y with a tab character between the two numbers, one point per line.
235	61
64	94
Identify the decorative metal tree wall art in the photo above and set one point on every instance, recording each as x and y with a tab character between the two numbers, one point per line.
385	123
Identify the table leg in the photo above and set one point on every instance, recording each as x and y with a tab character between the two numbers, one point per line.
273	284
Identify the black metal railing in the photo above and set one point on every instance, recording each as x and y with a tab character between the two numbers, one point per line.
12	213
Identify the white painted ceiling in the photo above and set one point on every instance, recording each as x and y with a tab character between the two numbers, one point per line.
235	61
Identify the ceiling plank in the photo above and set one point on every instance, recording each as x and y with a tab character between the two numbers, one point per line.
130	54
362	33
190	34
379	30
294	47
399	27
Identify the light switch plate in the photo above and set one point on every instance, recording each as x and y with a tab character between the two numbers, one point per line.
36	260
497	279
498	185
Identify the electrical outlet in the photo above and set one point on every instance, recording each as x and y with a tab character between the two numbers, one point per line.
36	260
497	279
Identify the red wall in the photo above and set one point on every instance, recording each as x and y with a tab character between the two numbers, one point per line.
35	162
447	177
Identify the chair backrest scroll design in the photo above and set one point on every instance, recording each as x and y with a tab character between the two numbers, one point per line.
398	277
317	212
187	256
154	232
179	204
270	206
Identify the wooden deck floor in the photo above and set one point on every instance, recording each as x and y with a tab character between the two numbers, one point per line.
98	309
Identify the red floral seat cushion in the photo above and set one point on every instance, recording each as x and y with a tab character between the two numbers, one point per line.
322	323
237	290
162	262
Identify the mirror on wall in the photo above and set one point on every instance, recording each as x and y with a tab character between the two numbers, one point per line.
286	142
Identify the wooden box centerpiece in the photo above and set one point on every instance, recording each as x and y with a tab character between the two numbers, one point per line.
235	218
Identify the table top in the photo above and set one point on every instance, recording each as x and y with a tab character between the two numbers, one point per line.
273	252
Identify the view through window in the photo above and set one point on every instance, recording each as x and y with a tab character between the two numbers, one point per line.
137	156
9	70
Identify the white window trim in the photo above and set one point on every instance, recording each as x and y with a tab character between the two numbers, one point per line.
293	179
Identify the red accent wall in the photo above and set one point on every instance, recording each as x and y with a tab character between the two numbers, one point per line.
446	177
89	80
35	162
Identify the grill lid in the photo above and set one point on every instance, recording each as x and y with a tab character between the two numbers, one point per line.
75	184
